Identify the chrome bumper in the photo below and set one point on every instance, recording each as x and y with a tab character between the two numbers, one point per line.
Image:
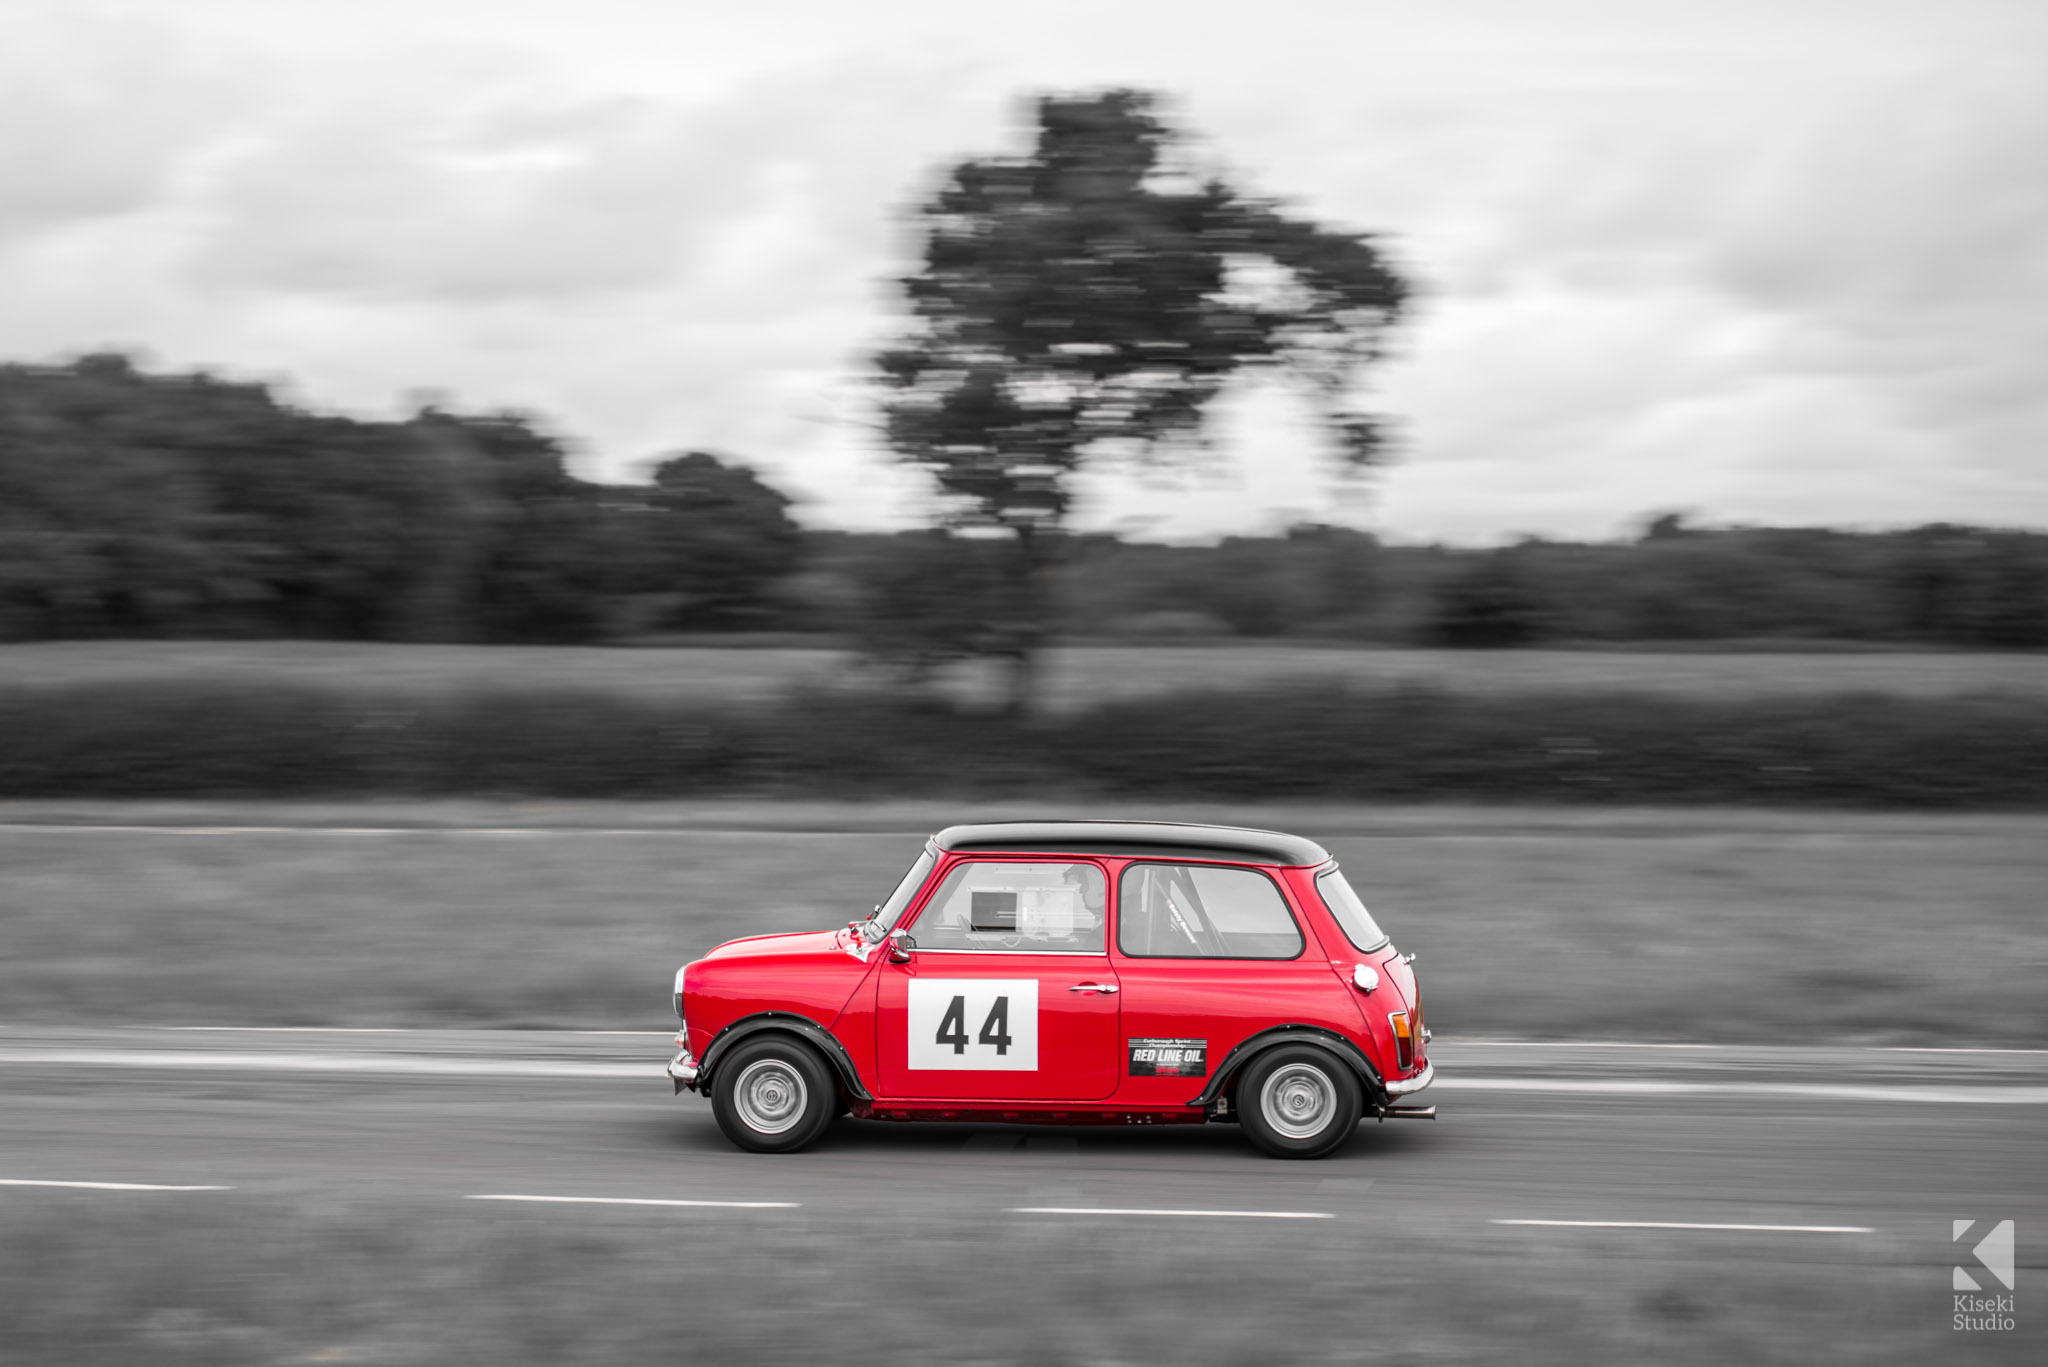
1413	1084
683	1069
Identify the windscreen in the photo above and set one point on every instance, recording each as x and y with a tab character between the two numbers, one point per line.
1359	927
885	918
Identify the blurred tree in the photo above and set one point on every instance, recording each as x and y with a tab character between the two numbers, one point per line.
718	538
184	503
1491	602
930	598
149	504
526	551
1666	526
1090	299
87	517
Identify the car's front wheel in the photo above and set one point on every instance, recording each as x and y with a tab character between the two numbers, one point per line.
773	1095
1298	1101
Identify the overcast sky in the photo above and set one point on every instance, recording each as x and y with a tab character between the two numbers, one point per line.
1775	262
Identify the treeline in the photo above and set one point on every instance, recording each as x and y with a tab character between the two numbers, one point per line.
137	504
134	504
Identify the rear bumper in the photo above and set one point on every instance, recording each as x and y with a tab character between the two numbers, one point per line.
1410	1086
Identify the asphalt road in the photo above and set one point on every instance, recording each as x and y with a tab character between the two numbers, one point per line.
1897	1143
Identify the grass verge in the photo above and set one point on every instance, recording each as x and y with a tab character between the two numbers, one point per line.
136	740
1074	676
1712	926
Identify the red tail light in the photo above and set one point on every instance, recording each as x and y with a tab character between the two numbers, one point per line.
1404	1040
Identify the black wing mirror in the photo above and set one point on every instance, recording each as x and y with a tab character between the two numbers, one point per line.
901	946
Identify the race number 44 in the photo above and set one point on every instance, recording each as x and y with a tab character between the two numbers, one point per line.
974	1024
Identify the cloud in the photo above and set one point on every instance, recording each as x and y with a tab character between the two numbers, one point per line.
99	117
1828	311
1746	265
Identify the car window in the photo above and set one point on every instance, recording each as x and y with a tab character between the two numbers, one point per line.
1021	908
1357	923
1198	911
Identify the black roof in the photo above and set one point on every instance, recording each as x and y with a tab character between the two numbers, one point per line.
1143	839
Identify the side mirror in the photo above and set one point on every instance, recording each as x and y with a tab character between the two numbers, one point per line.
901	946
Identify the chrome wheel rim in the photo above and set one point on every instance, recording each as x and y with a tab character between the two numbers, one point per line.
1298	1100
770	1096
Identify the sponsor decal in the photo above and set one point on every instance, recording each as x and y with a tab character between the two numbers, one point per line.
1169	1058
1975	1312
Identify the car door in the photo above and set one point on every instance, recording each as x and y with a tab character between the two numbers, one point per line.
1009	994
1208	955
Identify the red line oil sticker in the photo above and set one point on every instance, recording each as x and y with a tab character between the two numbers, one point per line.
1169	1058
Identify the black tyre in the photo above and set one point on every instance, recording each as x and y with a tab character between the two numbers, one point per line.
774	1095
1298	1101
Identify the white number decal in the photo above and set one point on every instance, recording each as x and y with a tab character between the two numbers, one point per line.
974	1024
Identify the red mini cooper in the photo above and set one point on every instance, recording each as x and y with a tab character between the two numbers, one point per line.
1070	972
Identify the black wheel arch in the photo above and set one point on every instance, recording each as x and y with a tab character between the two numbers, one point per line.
1317	1036
783	1023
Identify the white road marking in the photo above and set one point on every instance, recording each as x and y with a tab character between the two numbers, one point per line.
1682	1224
497	832
641	1201
1228	1214
1453	1044
391	1030
101	1186
1824	1091
486	1066
481	1066
293	1029
1958	1050
60	829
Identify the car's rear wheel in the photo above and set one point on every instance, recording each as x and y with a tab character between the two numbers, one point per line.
1298	1101
773	1095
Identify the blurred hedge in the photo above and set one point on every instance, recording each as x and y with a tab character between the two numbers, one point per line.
1313	741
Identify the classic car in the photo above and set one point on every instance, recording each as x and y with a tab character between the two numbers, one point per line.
1070	972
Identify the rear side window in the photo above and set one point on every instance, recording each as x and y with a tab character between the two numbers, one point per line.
1199	911
1358	925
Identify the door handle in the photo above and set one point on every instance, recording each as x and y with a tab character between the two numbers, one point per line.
1104	988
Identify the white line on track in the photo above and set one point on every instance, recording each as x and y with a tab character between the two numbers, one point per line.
486	1067
101	1186
639	1201
1930	1049
480	1067
1456	1044
1569	1044
1441	1043
1226	1214
1823	1091
293	1029
393	1030
1682	1224
490	832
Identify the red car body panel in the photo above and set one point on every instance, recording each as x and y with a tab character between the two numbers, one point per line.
1116	1035
810	974
1079	1046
